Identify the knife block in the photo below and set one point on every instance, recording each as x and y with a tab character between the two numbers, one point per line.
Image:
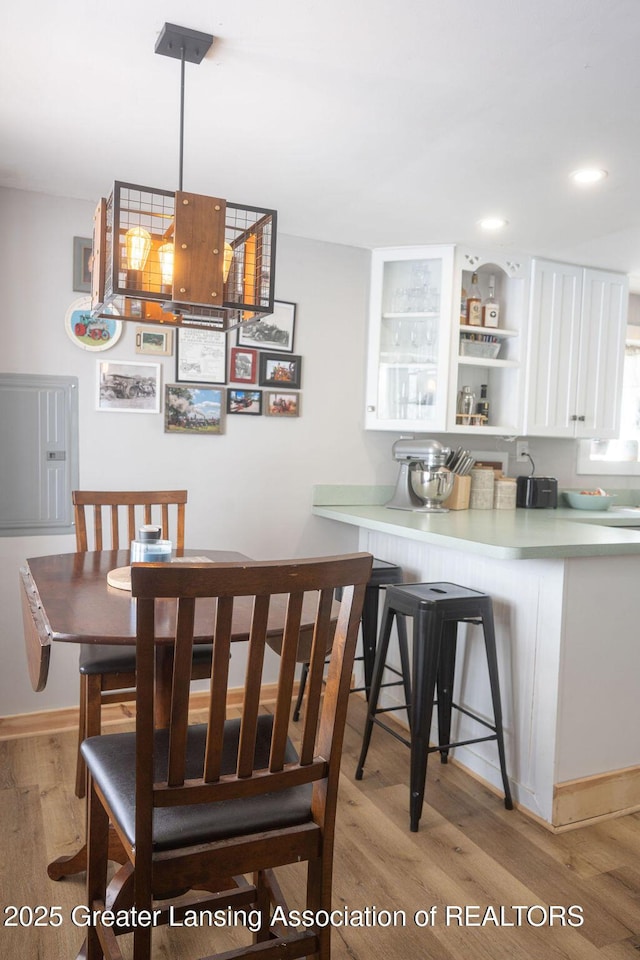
458	499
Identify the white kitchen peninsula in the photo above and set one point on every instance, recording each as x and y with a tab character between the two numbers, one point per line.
566	591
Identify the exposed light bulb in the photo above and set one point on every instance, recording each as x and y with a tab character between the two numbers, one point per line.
138	247
165	256
228	258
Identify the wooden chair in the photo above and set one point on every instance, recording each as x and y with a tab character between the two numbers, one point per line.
196	805
108	673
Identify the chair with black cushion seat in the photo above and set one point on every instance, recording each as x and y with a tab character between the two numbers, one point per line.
217	806
382	573
108	673
436	610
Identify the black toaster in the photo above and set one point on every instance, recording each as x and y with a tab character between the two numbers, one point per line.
538	493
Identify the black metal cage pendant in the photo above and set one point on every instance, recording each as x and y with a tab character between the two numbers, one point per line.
179	257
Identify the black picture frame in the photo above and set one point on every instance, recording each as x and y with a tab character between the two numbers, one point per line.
201	356
82	253
244	402
275	331
280	370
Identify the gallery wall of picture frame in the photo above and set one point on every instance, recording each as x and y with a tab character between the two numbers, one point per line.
258	376
261	358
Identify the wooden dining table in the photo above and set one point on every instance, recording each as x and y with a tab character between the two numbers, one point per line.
67	599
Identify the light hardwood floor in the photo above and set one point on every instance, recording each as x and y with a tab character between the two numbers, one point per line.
469	852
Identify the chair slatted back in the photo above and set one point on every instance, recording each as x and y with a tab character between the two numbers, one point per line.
126	510
321	736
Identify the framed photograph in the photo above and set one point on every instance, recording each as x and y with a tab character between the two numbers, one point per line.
193	409
82	252
279	371
201	356
126	386
91	334
273	332
243	365
244	401
282	404
155	341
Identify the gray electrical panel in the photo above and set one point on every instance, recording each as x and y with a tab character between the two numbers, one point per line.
38	454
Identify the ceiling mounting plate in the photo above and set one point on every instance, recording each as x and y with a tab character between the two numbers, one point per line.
172	41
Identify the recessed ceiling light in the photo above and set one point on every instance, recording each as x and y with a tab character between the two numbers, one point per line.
492	223
589	175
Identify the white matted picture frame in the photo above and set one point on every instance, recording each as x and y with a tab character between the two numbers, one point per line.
201	356
272	332
128	386
154	341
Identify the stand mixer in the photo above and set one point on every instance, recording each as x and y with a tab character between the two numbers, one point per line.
423	481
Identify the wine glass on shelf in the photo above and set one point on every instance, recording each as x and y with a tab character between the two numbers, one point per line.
399	300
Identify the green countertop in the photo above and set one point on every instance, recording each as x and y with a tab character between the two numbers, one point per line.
502	534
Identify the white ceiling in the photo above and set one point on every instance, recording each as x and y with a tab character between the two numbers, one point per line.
365	122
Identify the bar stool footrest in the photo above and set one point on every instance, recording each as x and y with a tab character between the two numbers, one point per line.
394	733
460	743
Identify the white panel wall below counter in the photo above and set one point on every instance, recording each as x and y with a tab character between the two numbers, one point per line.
568	660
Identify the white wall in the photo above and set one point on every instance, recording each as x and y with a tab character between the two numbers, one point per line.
249	490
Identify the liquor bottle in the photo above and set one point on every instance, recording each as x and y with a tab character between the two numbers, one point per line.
491	307
482	407
463	305
474	303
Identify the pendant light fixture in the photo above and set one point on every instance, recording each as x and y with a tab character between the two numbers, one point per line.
162	256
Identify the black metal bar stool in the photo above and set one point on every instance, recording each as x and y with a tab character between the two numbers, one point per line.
436	609
382	573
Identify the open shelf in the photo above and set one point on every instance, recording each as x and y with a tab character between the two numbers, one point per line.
488	331
485	362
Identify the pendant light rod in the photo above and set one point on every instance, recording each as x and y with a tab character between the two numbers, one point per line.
181	155
188	46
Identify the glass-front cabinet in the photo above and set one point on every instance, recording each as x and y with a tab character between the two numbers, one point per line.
409	338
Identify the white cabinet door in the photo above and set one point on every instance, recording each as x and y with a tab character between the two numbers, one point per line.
409	336
605	298
576	350
554	325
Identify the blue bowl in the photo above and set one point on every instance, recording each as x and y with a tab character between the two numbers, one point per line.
588	501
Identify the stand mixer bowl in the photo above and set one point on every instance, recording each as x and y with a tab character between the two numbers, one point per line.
425	461
432	482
